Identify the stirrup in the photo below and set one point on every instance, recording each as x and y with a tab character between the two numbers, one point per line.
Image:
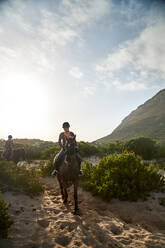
54	172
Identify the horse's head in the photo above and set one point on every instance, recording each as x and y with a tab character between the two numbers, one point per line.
70	145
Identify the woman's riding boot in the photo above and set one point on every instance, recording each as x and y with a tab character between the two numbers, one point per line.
54	172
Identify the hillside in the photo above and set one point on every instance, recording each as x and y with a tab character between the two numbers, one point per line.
147	120
30	142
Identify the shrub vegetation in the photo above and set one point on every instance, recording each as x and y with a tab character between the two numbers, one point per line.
50	152
46	169
121	176
5	220
21	179
86	149
160	151
142	146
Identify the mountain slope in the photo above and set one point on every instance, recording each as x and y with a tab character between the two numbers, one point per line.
147	120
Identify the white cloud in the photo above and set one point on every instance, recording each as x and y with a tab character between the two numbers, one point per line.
89	91
150	48
147	51
116	61
133	11
85	12
141	59
39	35
72	17
75	72
144	74
131	86
53	31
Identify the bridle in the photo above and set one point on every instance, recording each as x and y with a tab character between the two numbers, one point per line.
70	145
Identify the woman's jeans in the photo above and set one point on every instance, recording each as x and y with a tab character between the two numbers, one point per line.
58	158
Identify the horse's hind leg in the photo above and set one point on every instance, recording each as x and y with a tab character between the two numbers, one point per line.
75	198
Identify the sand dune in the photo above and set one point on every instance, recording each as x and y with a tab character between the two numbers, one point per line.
45	222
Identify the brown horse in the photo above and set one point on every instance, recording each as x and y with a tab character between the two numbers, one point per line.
68	172
1	154
17	155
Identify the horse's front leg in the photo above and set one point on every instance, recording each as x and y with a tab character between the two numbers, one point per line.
61	187
75	198
65	195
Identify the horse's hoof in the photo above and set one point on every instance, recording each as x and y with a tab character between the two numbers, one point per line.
76	212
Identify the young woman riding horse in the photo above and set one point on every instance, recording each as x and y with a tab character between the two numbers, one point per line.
62	142
67	164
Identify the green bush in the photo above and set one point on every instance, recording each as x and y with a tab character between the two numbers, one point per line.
121	176
21	179
32	152
50	152
46	169
37	151
160	151
142	146
5	220
114	147
161	165
86	149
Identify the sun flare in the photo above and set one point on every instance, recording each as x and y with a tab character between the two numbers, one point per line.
25	104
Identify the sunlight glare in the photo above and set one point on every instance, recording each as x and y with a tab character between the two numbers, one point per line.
25	104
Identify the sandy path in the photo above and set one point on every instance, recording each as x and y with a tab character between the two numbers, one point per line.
45	222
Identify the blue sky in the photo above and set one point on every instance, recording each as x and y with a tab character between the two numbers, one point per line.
89	62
